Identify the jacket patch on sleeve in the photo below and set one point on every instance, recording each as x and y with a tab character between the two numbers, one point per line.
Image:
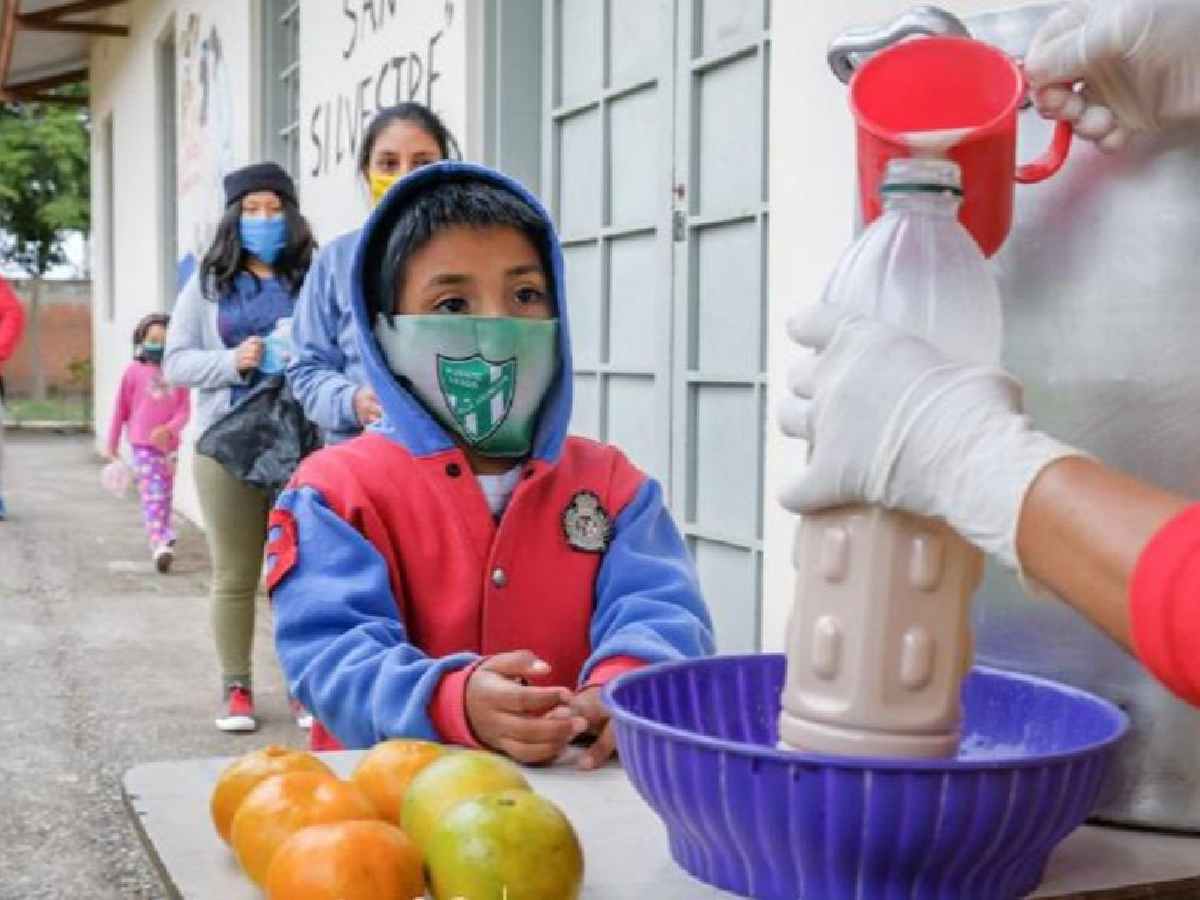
586	524
282	547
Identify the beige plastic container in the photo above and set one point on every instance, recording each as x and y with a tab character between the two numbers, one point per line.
879	638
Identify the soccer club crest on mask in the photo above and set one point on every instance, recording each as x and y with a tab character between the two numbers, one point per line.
586	524
478	392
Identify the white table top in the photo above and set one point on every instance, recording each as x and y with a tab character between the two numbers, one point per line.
625	845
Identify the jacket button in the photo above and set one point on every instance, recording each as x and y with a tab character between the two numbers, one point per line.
454	470
499	578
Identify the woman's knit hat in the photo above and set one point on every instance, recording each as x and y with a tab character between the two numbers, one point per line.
266	176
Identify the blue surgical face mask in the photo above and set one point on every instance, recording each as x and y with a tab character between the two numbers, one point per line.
265	238
152	353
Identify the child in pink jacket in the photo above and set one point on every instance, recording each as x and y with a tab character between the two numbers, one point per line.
155	414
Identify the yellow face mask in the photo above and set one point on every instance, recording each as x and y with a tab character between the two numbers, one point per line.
380	184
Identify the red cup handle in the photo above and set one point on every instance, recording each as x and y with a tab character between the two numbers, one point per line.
1050	162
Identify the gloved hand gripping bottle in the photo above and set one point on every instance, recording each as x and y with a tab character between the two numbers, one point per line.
879	637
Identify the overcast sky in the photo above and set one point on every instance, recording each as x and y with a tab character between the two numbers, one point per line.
76	266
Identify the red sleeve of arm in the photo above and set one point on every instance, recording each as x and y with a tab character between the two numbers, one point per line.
610	668
448	708
12	320
1165	605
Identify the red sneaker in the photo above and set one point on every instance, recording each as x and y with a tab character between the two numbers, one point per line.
302	716
239	715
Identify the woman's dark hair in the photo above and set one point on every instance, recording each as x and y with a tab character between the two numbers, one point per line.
442	206
226	258
139	333
421	116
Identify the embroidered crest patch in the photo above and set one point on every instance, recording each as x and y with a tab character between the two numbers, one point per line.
586	524
479	393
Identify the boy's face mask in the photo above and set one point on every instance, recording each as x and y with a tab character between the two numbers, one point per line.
481	377
265	238
152	353
380	184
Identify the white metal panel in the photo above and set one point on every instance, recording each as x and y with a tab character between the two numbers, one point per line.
729	293
580	158
731	580
655	165
581	36
584	301
633	423
719	410
637	192
609	158
729	23
632	266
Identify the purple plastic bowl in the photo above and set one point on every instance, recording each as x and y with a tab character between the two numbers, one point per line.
698	740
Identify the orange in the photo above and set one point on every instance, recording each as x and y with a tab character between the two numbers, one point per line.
281	806
244	774
347	861
450	779
385	770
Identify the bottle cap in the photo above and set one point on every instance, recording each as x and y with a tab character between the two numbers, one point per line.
935	176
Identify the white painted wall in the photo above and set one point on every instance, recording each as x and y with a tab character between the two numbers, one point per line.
125	85
348	49
358	57
812	219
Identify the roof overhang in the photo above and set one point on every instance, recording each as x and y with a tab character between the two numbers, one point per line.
46	44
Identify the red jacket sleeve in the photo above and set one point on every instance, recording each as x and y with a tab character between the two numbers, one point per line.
1165	605
12	321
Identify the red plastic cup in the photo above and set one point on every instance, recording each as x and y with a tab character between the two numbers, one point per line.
956	98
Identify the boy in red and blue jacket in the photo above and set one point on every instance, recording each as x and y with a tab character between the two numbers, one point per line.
466	571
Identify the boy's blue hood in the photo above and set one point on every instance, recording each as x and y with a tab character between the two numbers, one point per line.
405	420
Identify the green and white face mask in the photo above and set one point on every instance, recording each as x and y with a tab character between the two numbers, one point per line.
482	377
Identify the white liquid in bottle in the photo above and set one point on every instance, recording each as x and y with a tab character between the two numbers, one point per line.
879	638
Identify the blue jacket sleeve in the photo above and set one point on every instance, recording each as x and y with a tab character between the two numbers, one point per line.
648	602
318	364
340	640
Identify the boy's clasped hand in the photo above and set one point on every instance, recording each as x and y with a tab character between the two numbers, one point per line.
534	725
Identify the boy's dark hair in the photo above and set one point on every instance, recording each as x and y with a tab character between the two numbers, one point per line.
226	258
440	207
147	322
421	116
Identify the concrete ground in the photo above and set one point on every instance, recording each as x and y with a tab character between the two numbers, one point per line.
106	665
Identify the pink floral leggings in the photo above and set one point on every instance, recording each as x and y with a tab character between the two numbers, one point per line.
156	481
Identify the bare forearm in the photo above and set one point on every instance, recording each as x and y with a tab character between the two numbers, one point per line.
1082	530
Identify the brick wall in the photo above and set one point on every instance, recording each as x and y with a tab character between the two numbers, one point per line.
66	330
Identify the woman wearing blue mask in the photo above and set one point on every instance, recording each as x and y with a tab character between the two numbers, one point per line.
246	284
327	373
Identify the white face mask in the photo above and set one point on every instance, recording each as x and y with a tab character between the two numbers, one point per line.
481	377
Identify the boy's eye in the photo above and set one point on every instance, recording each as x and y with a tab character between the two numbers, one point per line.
451	306
530	296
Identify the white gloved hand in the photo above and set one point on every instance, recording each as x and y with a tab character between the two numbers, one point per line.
1139	61
895	423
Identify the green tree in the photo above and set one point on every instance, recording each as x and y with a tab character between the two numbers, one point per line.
45	194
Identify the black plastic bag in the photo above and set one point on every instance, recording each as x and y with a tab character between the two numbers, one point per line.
261	440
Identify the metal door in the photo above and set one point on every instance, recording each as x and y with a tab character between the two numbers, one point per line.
656	173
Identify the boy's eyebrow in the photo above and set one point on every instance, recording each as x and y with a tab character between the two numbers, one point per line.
530	269
448	278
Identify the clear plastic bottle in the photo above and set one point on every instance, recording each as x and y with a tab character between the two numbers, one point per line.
879	637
